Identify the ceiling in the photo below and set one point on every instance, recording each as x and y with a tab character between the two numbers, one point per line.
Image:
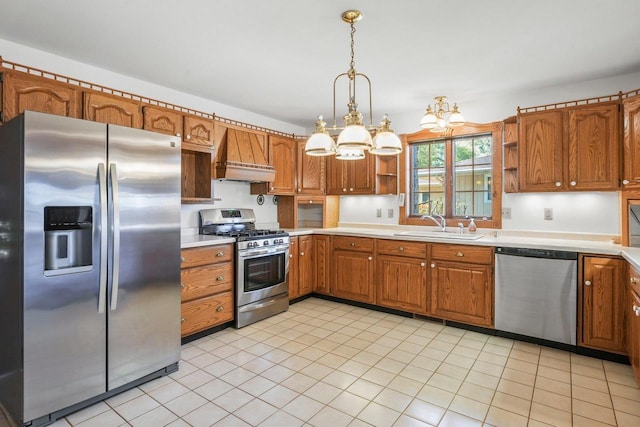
279	57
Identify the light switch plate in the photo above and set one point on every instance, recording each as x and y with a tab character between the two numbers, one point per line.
379	213
506	213
390	213
548	214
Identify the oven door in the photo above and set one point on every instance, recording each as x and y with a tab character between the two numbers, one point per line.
262	273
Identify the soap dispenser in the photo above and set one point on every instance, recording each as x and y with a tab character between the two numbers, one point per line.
472	226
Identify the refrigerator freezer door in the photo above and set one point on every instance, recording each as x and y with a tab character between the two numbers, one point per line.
144	309
64	331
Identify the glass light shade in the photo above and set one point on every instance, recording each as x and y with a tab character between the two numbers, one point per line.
320	144
456	119
349	154
386	144
428	121
355	137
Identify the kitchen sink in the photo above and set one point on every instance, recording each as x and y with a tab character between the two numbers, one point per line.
440	235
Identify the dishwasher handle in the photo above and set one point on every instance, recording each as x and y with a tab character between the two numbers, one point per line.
537	253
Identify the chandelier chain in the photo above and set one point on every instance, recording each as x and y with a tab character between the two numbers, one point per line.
353	62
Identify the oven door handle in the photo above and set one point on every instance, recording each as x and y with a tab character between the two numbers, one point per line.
256	306
265	251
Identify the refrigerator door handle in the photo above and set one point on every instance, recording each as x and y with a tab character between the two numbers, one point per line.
102	189
115	255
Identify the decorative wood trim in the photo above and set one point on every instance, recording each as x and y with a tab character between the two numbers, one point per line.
253	127
576	103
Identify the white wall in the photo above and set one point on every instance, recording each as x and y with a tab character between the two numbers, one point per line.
228	194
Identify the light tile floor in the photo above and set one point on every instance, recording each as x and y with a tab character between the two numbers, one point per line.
329	364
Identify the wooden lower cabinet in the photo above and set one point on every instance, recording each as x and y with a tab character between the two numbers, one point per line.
462	290
306	276
294	286
321	247
207	287
601	295
401	275
353	268
633	342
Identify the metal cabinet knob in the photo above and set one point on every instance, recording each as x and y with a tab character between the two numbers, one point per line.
182	285
558	184
344	190
433	266
290	255
634	280
188	136
181	259
625	181
573	183
310	201
422	264
351	189
370	258
272	188
636	310
219	309
459	254
401	249
178	134
220	278
220	254
352	244
301	253
299	190
183	320
587	283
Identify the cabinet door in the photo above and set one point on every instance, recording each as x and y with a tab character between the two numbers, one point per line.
311	172
198	130
336	176
540	154
294	289
306	277
25	92
592	145
631	111
462	292
361	175
162	120
111	109
602	290
282	156
353	275
321	260
401	283
634	333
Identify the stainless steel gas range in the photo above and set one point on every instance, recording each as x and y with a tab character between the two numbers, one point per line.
261	263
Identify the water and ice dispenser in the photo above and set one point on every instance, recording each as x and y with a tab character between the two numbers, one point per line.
67	239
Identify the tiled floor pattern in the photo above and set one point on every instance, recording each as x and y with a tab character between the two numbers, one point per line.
328	364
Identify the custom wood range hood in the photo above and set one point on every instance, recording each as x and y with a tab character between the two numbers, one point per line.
241	157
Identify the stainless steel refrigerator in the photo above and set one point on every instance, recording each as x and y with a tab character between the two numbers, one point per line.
89	262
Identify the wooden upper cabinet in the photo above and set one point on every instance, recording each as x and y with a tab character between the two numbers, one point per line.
631	157
311	173
162	120
602	297
198	130
111	109
281	154
349	177
593	147
569	149
26	92
540	154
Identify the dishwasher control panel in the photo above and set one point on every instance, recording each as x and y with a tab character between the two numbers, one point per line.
537	253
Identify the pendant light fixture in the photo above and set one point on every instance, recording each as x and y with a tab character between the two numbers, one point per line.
436	120
354	138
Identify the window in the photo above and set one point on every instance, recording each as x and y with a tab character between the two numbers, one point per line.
456	176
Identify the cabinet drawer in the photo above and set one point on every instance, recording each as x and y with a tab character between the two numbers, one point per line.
353	243
634	280
463	253
208	280
204	313
194	257
398	247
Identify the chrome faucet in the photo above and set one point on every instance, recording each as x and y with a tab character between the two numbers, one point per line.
442	223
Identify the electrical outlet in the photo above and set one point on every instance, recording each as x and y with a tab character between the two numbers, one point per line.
390	213
548	214
506	213
379	213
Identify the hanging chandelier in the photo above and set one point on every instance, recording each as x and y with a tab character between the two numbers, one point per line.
354	138
441	116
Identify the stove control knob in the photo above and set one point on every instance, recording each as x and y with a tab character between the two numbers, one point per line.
265	243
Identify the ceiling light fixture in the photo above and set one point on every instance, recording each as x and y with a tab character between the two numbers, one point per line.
434	118
355	138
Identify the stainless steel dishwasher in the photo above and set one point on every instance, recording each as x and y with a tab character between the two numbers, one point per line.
536	293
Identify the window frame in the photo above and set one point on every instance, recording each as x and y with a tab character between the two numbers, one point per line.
469	129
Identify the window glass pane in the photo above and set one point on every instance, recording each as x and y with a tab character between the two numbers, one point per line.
428	178
472	176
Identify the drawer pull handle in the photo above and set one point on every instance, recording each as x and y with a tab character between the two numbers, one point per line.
352	244
625	181
587	283
460	254
181	259
220	254
401	249
634	280
220	278
182	285
183	320
220	308
636	310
